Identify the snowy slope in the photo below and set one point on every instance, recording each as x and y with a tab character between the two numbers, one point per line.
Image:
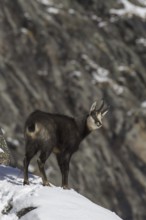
43	203
130	9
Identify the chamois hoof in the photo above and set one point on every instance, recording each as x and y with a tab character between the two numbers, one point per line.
25	182
66	187
46	184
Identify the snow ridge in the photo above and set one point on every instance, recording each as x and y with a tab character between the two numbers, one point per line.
43	203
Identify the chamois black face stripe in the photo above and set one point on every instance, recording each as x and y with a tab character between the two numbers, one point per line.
97	122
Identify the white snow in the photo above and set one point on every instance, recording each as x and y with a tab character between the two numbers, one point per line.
123	68
53	10
143	104
45	2
24	30
71	11
1	151
96	18
52	203
141	41
118	89
130	10
76	74
102	78
99	76
102	24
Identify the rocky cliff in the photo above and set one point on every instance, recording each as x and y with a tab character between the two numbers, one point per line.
59	56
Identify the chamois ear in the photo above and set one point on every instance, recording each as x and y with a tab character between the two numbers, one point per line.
93	107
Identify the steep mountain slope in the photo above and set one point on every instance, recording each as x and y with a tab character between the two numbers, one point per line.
60	56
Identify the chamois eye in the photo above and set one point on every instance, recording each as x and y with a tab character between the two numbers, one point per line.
98	124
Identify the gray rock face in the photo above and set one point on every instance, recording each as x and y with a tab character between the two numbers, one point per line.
60	57
4	150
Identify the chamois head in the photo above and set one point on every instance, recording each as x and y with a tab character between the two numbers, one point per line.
96	114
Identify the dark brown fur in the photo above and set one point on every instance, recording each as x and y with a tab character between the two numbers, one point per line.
56	133
48	133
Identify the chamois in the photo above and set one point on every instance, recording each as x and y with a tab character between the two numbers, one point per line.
46	132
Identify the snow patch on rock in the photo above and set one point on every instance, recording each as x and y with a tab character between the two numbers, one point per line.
130	9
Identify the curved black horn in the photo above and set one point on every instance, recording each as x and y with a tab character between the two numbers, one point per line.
102	104
104	111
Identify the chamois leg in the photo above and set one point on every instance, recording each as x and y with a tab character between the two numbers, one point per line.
63	162
41	164
26	162
31	150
